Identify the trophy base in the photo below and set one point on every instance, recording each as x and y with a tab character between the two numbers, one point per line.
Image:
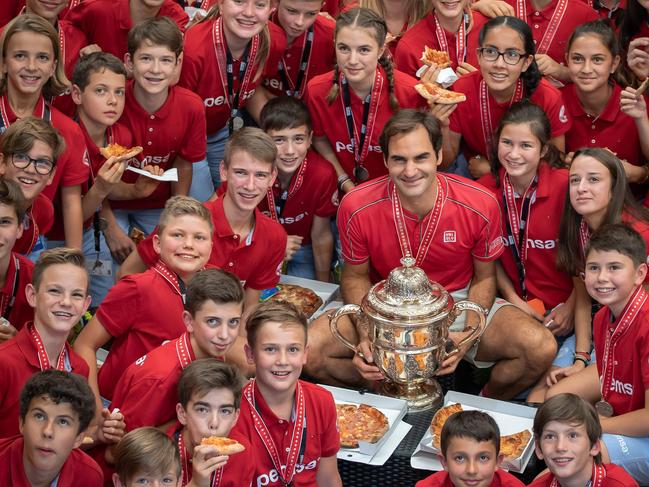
419	396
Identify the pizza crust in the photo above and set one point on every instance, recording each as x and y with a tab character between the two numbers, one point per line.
225	446
119	152
513	446
360	423
433	57
435	93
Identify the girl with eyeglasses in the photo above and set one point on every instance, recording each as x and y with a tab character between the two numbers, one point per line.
508	73
603	113
32	74
350	105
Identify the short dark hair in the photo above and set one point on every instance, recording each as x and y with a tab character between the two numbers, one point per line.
276	311
570	409
146	450
160	31
213	285
619	237
203	375
474	425
284	112
11	195
55	256
60	387
96	62
406	121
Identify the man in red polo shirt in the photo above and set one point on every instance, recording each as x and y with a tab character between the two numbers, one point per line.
451	227
106	23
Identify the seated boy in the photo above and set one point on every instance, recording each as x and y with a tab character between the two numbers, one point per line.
470	445
209	400
59	295
15	270
276	404
619	382
55	410
31	138
212	313
143	311
304	197
246	242
567	436
167	121
146	456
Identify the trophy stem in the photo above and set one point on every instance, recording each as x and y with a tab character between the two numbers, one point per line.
420	396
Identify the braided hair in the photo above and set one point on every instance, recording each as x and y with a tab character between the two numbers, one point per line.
370	20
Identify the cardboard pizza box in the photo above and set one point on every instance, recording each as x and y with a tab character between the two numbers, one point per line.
394	409
511	418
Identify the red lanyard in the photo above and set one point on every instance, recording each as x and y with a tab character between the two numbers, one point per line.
296	182
460	37
551	31
485	109
172	278
184	462
596	479
43	359
584	238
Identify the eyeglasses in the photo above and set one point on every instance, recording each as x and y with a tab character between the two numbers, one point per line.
510	56
42	166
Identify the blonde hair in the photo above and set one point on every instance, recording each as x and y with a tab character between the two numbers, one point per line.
146	451
58	82
415	9
252	141
57	256
183	205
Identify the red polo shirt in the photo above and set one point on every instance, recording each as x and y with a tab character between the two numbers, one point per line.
466	119
159	371
468	228
141	312
18	362
441	479
542	279
200	72
329	120
21	311
256	262
631	356
78	469
577	13
107	22
177	129
10	9
615	477
322	440
321	60
38	221
411	45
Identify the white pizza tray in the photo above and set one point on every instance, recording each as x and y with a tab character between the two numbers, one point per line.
395	409
511	418
326	290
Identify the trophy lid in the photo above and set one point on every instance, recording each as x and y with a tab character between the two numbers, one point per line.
408	293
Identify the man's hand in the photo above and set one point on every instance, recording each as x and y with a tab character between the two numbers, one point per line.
144	185
112	427
118	242
293	244
450	364
558	374
479	166
364	361
7	331
205	462
560	321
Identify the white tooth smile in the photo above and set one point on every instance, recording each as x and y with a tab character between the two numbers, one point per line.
281	374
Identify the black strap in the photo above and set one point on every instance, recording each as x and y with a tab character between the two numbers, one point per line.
14	289
522	222
183	288
280	203
234	97
350	121
304	63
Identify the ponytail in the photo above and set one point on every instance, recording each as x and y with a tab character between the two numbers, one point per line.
335	87
385	62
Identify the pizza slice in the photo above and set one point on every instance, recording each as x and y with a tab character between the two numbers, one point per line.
360	423
225	446
435	93
120	152
439	419
513	446
432	57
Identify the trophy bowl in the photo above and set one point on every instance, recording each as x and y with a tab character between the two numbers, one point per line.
407	318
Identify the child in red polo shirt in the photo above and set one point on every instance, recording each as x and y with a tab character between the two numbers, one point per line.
212	313
470	446
144	310
276	404
167	121
146	456
618	383
309	47
55	411
30	44
351	104
107	23
567	435
29	150
209	401
15	270
58	294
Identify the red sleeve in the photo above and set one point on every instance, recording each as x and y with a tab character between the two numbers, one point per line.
191	69
330	436
328	202
554	107
354	245
276	49
120	307
543	481
141	408
194	145
176	13
310	96
145	249
490	244
643	350
507	479
438	479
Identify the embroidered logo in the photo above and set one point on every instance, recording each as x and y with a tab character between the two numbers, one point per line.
449	236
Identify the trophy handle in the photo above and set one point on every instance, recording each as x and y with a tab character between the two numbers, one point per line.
347	309
477	330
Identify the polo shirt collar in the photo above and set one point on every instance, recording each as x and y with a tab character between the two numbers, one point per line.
162	113
546	13
610	112
222	227
544	185
27	347
270	418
